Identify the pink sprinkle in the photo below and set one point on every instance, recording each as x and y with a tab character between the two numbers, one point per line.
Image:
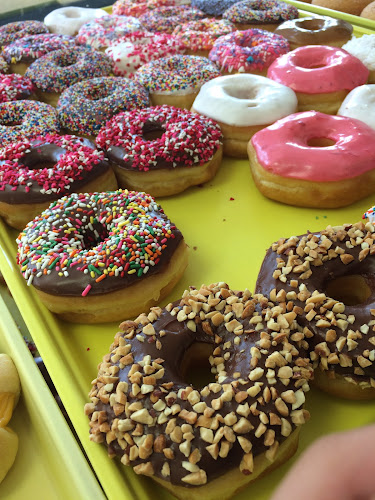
86	290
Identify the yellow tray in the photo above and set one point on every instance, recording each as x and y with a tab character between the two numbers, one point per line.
228	225
49	464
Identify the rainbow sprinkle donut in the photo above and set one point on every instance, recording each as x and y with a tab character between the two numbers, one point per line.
249	51
136	49
165	19
13	31
264	12
79	113
20	119
14	87
101	32
200	35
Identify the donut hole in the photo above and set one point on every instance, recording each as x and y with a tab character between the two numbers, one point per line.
311	24
195	365
320	142
11	123
91	238
152	131
71	14
243	93
42	156
351	289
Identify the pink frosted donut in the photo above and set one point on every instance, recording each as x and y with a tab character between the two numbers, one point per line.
313	159
249	51
136	49
314	71
103	31
165	19
200	35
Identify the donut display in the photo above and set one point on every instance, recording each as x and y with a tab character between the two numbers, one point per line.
292	160
218	438
149	152
36	172
123	254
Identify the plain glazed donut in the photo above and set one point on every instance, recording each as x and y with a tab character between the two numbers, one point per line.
56	71
176	80
22	119
292	160
321	76
122	254
319	30
68	20
260	14
250	51
15	87
162	150
212	442
363	48
24	51
360	104
36	172
242	104
103	31
13	31
329	278
78	112
165	19
354	7
132	51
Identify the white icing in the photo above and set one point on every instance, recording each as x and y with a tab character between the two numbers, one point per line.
127	62
364	49
244	100
68	20
360	104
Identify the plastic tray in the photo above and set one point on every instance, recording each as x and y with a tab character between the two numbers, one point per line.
49	464
228	225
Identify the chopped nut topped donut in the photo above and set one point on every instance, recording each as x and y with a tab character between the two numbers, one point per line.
330	278
146	411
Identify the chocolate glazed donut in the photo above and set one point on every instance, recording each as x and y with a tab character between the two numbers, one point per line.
330	276
222	436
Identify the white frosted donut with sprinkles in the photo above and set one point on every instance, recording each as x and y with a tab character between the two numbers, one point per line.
360	104
68	20
100	33
36	172
100	257
162	150
176	80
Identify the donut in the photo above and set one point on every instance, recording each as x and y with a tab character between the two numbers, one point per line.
369	11
149	152
242	104
21	119
68	20
103	31
139	7
36	172
59	69
10	388
317	30
78	112
363	48
175	80
3	65
132	51
122	253
321	76
208	442
261	14
165	19
360	104
329	277
21	53
354	7
249	51
199	36
311	159
213	7
15	87
13	31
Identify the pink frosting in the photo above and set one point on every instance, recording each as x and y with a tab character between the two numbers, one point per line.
318	69
283	148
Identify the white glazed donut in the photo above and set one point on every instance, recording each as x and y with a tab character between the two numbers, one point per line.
364	49
360	104
68	20
243	104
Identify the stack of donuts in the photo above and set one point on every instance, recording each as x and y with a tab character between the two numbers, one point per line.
100	116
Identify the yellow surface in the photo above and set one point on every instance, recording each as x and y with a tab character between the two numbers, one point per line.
49	463
228	239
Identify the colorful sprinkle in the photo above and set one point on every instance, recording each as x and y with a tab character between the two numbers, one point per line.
260	12
29	48
165	19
